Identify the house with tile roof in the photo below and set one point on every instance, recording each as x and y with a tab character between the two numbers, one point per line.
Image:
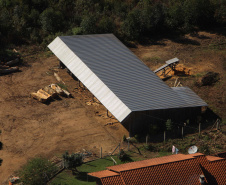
192	169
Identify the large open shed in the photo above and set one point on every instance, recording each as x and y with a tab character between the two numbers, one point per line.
122	82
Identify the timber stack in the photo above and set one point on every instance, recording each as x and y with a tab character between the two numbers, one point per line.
49	92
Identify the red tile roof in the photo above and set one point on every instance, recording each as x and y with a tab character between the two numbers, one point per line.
213	158
197	154
104	173
174	169
149	162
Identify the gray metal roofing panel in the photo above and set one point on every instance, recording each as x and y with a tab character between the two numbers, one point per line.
191	98
89	79
125	75
160	68
173	60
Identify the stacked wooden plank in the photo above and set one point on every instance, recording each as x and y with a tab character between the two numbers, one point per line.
48	92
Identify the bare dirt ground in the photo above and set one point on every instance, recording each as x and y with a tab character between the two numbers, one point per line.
30	128
202	53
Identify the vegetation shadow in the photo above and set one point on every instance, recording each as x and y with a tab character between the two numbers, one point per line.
197	35
218	30
83	176
147	41
184	40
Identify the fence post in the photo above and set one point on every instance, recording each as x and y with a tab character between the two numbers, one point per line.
164	137
128	144
182	132
101	152
217	124
119	148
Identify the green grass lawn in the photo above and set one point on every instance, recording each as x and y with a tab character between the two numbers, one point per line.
67	178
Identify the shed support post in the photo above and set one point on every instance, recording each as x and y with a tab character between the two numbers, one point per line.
108	114
164	137
182	132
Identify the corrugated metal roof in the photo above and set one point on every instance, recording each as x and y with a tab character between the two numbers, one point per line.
192	99
116	77
173	60
168	62
160	68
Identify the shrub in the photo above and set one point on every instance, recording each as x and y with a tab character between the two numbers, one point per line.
124	138
72	161
205	149
169	125
124	157
37	171
150	148
76	31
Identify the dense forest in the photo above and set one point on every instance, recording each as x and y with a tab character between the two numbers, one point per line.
39	21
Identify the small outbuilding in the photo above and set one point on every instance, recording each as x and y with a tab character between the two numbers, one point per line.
122	82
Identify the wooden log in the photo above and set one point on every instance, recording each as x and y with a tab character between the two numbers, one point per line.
66	93
9	70
178	84
175	82
12	62
58	78
4	67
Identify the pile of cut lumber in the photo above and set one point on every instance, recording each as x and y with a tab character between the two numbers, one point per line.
6	67
48	92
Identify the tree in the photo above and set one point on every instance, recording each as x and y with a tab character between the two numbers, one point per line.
51	20
131	25
106	25
37	172
88	25
175	18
